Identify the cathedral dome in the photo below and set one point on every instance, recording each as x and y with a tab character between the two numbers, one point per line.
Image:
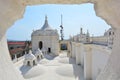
30	56
46	26
46	30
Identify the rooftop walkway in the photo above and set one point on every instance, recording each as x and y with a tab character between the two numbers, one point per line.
52	68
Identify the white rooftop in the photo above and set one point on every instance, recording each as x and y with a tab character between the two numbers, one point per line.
30	56
52	68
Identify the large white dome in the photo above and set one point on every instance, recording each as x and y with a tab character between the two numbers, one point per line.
46	30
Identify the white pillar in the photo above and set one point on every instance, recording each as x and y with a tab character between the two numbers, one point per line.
31	63
73	50
15	57
88	63
82	55
70	49
78	55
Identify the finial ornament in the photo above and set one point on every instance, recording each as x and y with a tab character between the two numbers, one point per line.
45	17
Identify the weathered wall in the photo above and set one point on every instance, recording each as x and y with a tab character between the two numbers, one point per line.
12	10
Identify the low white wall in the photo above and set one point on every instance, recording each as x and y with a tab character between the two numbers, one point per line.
7	69
103	40
100	56
82	55
92	58
78	54
87	62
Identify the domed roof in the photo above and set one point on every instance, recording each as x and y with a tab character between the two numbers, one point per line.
46	26
38	52
46	30
30	56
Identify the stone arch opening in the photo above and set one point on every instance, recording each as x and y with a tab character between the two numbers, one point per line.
28	63
40	45
64	46
34	62
38	57
49	50
110	14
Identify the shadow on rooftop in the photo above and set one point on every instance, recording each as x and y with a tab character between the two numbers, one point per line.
25	69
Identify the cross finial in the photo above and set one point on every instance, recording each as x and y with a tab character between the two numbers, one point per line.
46	17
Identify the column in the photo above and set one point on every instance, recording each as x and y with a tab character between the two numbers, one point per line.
82	55
73	50
88	63
78	54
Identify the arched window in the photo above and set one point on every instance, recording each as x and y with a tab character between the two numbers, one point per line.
40	45
11	47
109	33
38	57
113	33
41	57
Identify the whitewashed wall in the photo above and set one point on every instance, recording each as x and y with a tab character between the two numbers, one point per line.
7	69
48	42
103	40
73	49
87	62
100	56
92	58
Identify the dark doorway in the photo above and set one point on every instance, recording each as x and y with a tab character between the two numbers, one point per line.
34	62
49	50
40	45
63	46
38	58
28	63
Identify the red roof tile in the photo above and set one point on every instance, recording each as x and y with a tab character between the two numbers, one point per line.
13	51
16	43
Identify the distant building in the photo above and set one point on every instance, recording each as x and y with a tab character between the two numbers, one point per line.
82	37
46	39
110	34
106	39
16	44
18	48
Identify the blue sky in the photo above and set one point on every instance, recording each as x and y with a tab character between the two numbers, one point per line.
74	17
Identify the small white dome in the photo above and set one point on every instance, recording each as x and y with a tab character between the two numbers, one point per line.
30	56
38	52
